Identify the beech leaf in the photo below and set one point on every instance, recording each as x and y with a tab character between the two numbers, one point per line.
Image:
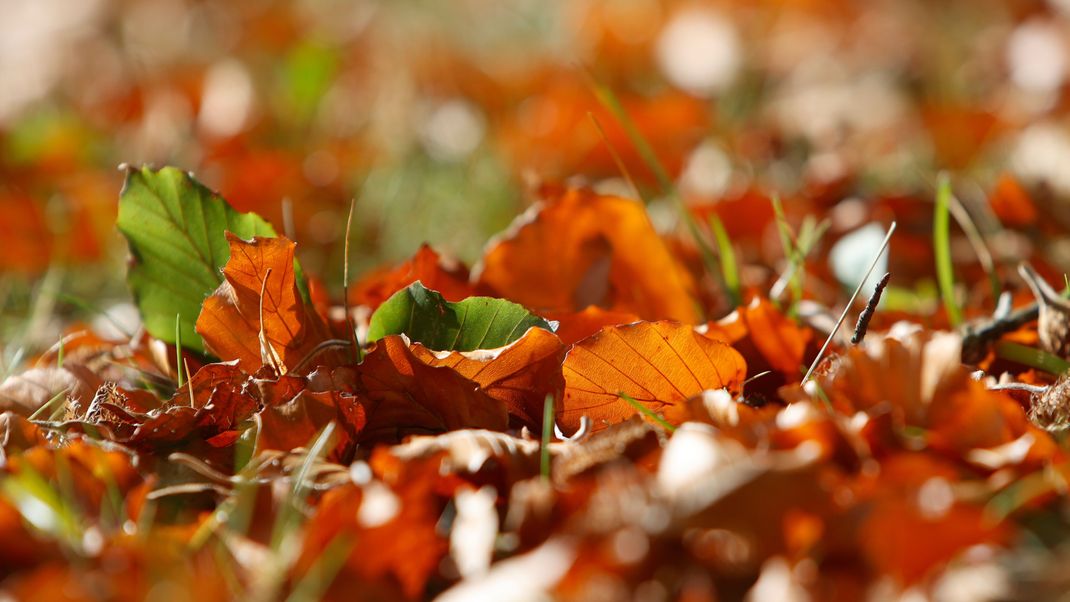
475	323
175	226
658	364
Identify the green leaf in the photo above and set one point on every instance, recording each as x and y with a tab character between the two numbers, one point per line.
475	323
175	227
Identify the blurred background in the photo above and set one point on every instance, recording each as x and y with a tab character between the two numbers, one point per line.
438	117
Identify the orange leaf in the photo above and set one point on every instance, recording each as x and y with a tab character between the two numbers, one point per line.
230	317
402	395
768	340
519	375
659	364
580	248
448	278
1011	203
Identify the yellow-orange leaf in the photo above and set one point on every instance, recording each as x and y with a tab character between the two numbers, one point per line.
658	364
230	317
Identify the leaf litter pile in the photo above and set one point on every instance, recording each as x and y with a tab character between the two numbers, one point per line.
563	422
648	387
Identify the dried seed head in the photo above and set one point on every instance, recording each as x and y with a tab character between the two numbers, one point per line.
1053	326
1051	409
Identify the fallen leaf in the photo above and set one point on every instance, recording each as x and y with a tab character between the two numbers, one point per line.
230	320
574	326
296	423
658	364
427	266
424	316
175	227
402	395
1011	203
578	248
520	375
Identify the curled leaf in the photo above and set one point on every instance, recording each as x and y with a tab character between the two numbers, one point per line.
402	395
230	321
520	375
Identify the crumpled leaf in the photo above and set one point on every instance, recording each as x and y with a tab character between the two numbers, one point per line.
918	376
520	374
402	395
578	248
296	423
658	364
175	227
230	319
426	317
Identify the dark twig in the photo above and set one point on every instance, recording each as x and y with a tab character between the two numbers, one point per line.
977	336
867	314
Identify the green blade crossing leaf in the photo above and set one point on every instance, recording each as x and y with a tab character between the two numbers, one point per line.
475	323
175	226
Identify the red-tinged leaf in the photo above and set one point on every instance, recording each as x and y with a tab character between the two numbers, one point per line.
658	364
230	318
205	381
520	375
297	422
437	273
402	395
578	249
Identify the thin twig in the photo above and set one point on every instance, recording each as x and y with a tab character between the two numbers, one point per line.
847	308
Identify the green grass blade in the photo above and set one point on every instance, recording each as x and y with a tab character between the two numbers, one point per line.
729	267
945	273
1032	357
612	103
178	351
645	411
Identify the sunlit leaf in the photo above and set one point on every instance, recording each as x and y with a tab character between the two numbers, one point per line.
657	364
175	227
476	323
